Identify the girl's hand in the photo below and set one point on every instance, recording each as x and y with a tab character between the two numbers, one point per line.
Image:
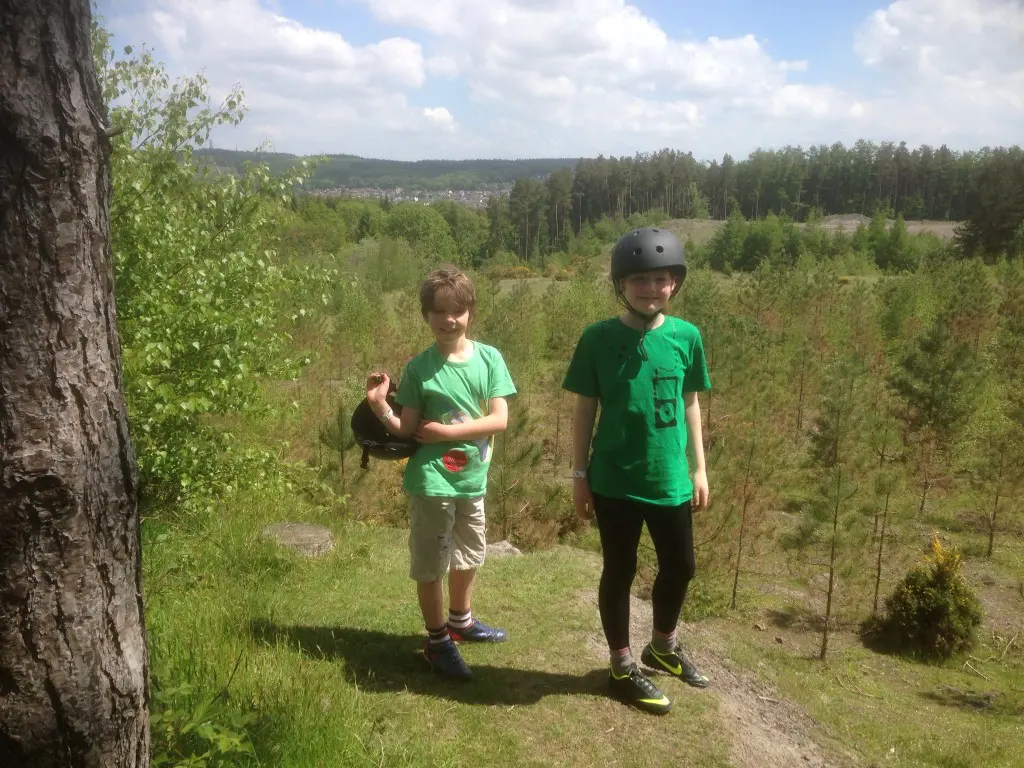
377	385
432	432
701	494
582	498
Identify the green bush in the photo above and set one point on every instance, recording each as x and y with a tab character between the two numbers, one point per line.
933	612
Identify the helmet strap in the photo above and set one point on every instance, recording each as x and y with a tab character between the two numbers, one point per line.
648	320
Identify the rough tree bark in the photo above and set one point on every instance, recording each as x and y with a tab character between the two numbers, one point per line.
73	661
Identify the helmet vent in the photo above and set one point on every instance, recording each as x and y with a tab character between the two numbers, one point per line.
660	249
638	251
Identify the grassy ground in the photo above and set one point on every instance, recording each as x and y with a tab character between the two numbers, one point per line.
885	709
323	654
327	654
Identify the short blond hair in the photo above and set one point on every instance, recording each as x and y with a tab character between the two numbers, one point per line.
450	283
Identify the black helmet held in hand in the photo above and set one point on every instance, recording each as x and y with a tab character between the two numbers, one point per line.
645	250
370	433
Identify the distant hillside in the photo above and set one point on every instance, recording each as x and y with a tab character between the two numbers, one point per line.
351	171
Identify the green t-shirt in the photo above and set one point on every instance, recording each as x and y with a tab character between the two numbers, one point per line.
452	393
639	451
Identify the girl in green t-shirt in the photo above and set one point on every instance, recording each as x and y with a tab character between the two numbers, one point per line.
646	462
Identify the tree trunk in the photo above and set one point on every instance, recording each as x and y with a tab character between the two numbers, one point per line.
995	503
800	398
881	548
73	661
832	562
992	528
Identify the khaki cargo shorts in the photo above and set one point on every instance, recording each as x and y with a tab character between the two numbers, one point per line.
445	532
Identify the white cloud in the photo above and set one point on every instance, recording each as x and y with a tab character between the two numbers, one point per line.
306	89
443	66
582	77
440	117
945	37
956	67
598	76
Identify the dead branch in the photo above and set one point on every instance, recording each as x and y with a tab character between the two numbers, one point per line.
1008	646
851	689
968	665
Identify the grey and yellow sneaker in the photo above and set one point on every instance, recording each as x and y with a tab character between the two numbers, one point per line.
637	689
676	664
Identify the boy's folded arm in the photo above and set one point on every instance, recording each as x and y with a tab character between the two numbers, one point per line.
495	421
409	420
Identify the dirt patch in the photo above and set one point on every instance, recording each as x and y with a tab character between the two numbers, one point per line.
1002	598
702	230
944	229
848	221
766	730
699	230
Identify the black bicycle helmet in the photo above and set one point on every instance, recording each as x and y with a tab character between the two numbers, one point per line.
370	433
647	249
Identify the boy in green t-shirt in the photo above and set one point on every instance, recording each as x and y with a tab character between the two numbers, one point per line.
644	369
453	401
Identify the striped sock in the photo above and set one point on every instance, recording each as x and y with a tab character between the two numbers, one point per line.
663	643
460	620
621	659
439	636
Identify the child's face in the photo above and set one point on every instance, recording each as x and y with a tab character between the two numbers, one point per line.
447	320
649	292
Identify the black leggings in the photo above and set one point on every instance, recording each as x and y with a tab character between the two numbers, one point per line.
620	523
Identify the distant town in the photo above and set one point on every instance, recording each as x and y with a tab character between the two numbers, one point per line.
474	198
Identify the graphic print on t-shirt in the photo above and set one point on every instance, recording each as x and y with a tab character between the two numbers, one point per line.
456	459
666	396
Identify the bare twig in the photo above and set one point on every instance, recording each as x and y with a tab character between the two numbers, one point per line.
968	665
852	689
1008	646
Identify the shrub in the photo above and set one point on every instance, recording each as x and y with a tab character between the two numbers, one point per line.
201	290
933	612
519	272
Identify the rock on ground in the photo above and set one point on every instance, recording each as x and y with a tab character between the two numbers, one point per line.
305	538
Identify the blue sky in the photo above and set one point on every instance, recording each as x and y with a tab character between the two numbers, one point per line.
410	79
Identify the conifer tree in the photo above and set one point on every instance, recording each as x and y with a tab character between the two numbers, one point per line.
831	525
934	381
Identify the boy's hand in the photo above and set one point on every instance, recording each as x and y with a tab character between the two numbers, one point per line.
433	432
377	385
582	498
701	495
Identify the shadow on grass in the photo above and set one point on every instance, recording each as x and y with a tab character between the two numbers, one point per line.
874	637
382	662
796	618
951	696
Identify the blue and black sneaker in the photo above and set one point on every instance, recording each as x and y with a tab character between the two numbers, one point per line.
445	660
477	632
676	664
637	689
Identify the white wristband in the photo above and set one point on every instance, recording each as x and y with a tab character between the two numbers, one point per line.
577	473
387	416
